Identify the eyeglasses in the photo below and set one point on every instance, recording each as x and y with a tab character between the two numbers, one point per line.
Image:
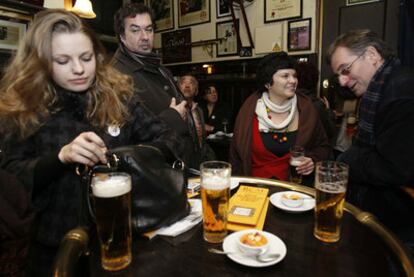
347	70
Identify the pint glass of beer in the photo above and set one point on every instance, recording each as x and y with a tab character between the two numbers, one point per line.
112	199
331	179
297	153
215	194
351	124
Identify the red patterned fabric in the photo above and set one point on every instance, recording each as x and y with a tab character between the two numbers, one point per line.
265	164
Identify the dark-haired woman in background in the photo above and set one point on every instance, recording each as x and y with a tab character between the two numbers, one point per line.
274	119
217	114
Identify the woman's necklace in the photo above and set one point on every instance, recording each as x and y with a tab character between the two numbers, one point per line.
280	137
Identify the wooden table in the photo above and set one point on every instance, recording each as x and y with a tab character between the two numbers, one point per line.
366	248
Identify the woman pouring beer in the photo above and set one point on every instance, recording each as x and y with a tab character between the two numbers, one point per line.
273	120
61	105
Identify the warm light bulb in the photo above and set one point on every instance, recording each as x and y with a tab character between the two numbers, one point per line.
83	8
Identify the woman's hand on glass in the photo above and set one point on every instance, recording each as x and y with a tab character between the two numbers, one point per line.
208	128
87	148
306	167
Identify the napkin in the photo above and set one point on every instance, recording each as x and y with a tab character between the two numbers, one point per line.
184	224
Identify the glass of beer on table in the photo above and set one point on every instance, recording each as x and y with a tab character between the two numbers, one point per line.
331	180
112	198
351	124
297	153
215	194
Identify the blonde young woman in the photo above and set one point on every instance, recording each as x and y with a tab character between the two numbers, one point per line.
274	119
61	104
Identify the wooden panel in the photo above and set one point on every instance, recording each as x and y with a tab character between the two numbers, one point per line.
355	17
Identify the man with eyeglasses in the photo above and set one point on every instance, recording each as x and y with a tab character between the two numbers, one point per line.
154	84
382	152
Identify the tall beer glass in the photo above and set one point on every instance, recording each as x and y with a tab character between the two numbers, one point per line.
112	199
351	124
297	153
215	194
331	179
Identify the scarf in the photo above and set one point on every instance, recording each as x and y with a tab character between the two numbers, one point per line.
151	59
370	100
264	103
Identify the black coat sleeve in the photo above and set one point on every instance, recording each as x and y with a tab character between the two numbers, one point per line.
389	162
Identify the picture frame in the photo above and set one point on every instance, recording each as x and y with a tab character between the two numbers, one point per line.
223	8
176	46
193	12
163	14
358	2
229	45
11	32
300	35
277	10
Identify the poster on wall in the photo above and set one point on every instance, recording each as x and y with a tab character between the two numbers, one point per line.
163	14
299	35
356	2
10	34
192	12
276	10
223	8
228	44
176	46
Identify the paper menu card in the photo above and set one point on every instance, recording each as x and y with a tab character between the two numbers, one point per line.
246	205
258	226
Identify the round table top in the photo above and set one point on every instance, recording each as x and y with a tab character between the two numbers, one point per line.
366	248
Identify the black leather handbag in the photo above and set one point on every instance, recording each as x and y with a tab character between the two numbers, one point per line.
159	190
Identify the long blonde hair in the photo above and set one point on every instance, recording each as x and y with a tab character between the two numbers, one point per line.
27	90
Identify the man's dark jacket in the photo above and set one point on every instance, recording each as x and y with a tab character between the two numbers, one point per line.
156	90
377	173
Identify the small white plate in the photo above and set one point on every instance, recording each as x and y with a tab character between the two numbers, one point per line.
308	204
276	246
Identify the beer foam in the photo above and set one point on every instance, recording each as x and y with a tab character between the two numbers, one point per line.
331	187
351	120
215	183
295	162
111	187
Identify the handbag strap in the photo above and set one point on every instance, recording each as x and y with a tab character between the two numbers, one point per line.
86	215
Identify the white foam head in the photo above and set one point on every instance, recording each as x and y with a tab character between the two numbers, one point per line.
295	162
112	186
215	183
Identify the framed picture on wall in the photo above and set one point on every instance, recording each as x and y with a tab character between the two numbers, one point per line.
229	44
356	2
163	14
299	35
192	12
176	46
11	32
276	10
223	8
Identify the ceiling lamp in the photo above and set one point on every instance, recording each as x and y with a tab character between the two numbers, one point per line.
83	8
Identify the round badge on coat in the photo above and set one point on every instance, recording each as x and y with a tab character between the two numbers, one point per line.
114	130
213	117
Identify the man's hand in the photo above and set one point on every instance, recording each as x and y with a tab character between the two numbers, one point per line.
180	108
87	148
